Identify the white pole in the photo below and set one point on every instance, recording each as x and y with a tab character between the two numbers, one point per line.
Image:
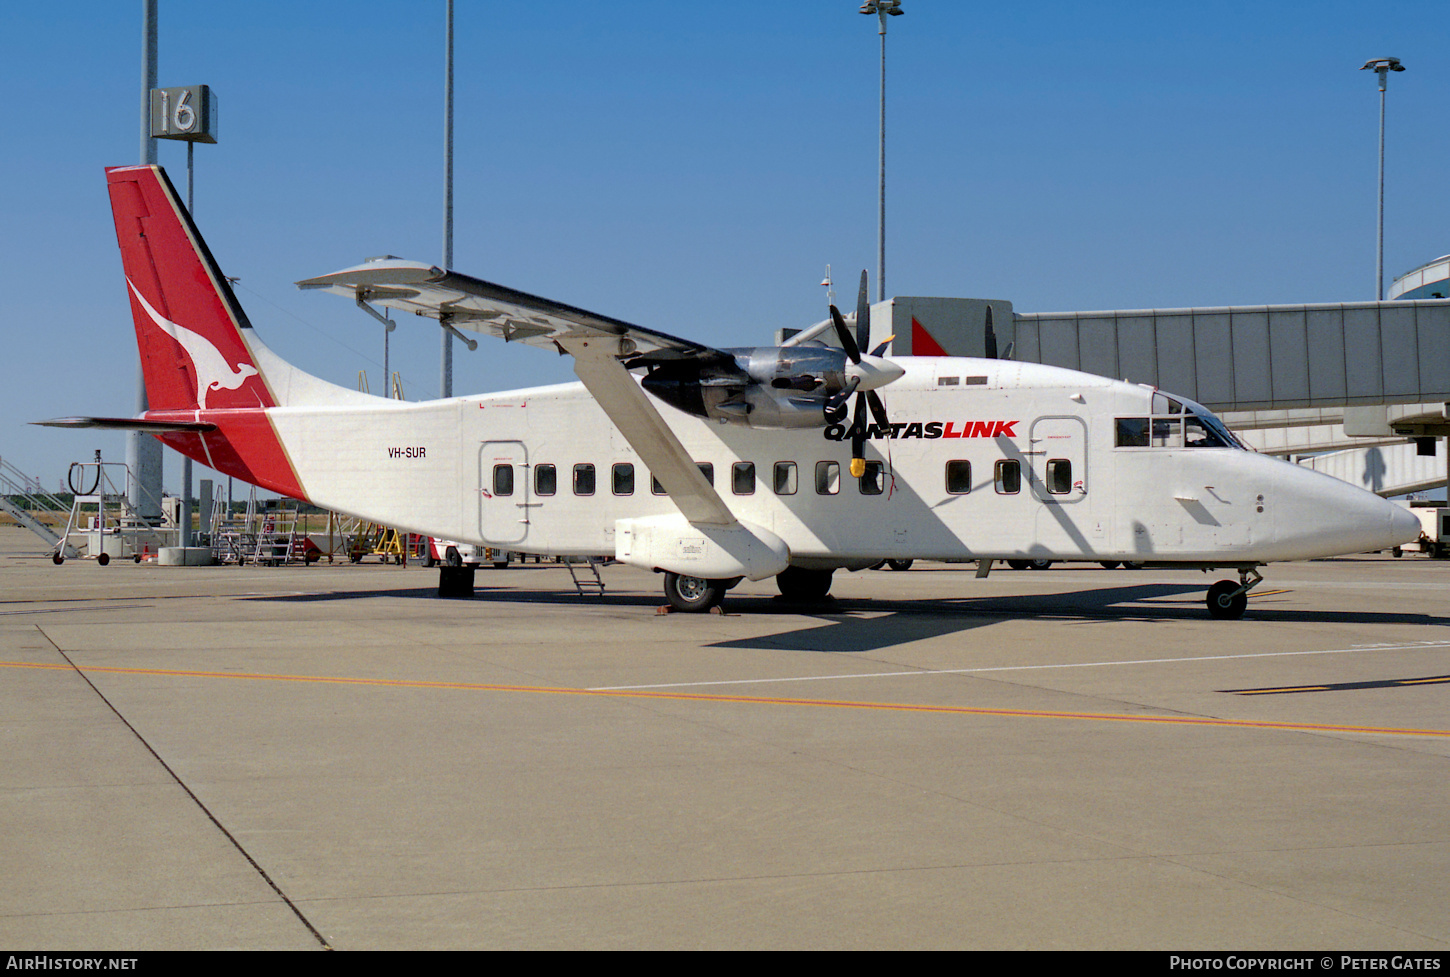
446	385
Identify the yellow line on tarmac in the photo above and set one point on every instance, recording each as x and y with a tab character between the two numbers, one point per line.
745	699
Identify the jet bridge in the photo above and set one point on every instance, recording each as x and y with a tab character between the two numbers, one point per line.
1274	357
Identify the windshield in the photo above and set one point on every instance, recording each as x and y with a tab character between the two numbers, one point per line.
1175	424
1215	433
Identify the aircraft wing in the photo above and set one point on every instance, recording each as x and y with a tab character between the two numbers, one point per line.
480	306
601	346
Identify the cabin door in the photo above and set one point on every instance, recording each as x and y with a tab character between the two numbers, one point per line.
1059	460
504	497
1067	522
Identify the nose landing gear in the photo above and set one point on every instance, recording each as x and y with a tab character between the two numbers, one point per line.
1227	600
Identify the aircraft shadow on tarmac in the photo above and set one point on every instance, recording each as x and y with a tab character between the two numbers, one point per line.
868	624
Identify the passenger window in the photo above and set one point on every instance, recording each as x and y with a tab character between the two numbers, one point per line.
959	477
828	477
742	478
655	488
785	478
503	479
583	479
873	478
1132	432
1059	476
1009	477
546	480
708	470
623	478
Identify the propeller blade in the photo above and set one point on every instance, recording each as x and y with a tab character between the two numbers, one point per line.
853	352
863	315
835	406
991	337
878	409
858	437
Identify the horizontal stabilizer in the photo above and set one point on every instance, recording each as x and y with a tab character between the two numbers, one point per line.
127	424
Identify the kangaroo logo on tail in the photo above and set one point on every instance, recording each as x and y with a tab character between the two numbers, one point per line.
212	370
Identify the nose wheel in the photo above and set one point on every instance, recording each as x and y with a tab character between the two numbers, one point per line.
1227	600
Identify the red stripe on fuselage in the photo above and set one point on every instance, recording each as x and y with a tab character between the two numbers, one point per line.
245	445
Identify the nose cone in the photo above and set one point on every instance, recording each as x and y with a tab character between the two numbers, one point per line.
1320	516
874	371
1404	526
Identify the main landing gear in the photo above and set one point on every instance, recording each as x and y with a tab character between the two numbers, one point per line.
804	586
695	595
1227	600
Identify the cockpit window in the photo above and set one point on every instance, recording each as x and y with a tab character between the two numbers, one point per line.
1132	432
1167	432
1164	404
1198	434
1175	425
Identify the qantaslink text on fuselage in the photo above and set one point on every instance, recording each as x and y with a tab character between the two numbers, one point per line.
928	430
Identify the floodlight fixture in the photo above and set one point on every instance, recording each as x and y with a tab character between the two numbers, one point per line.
1381	67
881	8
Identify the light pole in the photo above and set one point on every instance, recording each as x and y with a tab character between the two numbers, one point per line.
1381	67
446	366
143	452
882	9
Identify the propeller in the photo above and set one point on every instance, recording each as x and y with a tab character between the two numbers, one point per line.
866	400
990	341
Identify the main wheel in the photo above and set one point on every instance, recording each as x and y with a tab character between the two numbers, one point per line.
806	586
452	558
1224	604
900	564
1019	564
1040	564
1109	564
693	594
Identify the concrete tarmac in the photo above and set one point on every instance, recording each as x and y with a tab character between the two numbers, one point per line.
300	758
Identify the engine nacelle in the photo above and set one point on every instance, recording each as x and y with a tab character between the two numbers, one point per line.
770	387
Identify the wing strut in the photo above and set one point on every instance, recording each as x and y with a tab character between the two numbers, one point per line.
596	362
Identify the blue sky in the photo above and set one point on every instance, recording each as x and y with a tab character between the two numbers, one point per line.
693	168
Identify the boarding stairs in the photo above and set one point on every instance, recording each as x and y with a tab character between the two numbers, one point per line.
584	571
22	497
233	535
276	540
106	519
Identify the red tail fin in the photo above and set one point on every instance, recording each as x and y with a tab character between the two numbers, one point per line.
189	331
187	320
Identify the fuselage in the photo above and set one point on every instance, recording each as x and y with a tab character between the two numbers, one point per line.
983	459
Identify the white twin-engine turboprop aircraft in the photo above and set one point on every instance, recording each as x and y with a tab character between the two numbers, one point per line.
714	465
